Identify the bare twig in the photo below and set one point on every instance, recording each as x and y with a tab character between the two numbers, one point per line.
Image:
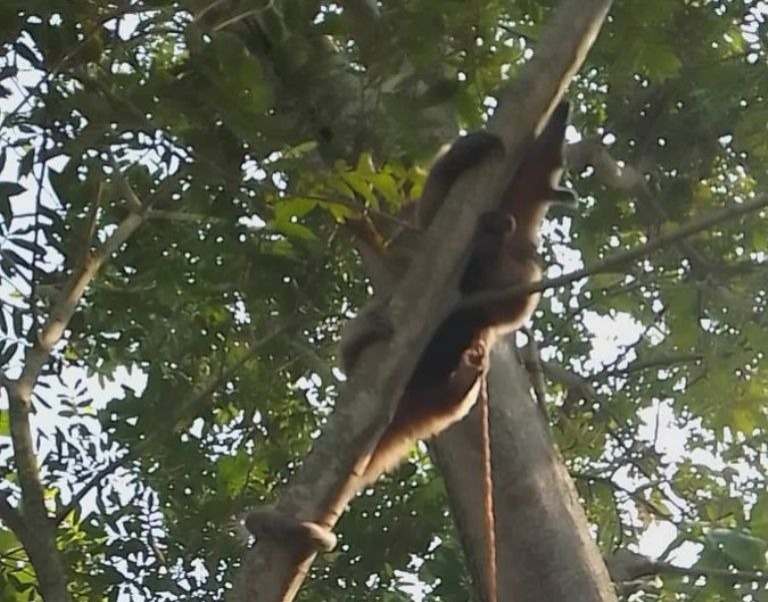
92	482
665	361
182	216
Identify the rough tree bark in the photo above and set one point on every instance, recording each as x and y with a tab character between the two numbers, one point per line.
543	547
274	570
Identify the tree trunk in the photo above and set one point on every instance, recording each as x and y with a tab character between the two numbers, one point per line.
543	546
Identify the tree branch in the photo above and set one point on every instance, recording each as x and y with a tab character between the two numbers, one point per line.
664	361
726	574
629	179
41	544
86	39
183	216
633	494
625	566
575	383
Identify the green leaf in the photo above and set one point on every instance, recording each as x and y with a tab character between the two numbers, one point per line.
745	551
8	352
10	189
291	229
27	162
232	473
5	424
758	516
286	209
360	184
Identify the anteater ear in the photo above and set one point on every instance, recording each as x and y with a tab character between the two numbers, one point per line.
498	222
563	196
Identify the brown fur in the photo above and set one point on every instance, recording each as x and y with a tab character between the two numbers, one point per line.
422	413
503	255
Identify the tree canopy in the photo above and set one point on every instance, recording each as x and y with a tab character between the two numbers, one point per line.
174	272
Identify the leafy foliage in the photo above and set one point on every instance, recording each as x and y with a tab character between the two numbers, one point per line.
245	133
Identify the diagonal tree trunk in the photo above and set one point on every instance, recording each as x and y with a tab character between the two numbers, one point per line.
543	546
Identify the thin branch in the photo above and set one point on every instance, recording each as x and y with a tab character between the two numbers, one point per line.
82	236
236	18
632	494
209	388
206	9
182	216
92	482
388	217
171	145
36	226
624	348
727	574
627	566
665	361
62	312
618	259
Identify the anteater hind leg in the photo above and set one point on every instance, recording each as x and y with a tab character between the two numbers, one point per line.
424	412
